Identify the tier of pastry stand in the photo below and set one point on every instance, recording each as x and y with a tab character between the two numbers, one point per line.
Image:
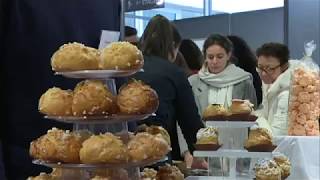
232	135
214	178
233	155
100	124
117	124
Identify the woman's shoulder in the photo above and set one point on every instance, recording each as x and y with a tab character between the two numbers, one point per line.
194	79
243	84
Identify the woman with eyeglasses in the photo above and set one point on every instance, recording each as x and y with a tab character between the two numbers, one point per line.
275	71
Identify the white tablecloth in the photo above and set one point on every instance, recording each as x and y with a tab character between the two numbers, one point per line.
303	152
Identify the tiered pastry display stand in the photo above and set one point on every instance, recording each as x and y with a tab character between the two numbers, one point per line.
231	151
116	124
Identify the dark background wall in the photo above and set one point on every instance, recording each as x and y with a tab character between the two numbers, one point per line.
33	30
201	27
303	25
256	27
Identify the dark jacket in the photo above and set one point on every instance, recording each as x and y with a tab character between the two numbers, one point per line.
176	101
257	83
33	31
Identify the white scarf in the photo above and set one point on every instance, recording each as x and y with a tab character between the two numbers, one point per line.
221	84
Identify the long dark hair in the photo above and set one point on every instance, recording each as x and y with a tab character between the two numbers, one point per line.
192	54
245	58
160	38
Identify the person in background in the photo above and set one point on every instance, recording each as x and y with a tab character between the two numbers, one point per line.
188	158
219	81
2	172
29	67
246	59
181	62
130	35
192	55
159	45
275	71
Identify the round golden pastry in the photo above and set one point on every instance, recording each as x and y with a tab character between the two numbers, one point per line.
214	110
148	174
169	173
100	178
103	148
62	173
92	97
57	146
208	135
145	146
284	164
121	56
43	176
267	170
159	131
75	56
137	98
239	106
258	136
56	101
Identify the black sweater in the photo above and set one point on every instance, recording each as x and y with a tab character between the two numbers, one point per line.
176	101
33	30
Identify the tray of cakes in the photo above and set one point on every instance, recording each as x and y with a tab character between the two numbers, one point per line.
259	140
91	102
96	102
75	60
82	149
164	172
207	139
276	168
240	110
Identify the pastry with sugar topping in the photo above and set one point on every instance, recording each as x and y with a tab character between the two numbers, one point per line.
92	97
208	135
145	146
57	146
56	101
284	164
121	56
266	169
75	56
137	98
103	148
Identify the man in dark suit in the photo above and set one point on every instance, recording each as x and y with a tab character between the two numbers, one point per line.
33	30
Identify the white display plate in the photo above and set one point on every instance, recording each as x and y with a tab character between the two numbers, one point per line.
233	153
98	166
99	119
230	124
97	74
215	178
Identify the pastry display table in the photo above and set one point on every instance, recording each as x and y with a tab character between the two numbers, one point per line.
214	178
303	152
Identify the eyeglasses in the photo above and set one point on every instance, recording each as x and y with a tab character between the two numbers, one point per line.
267	70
